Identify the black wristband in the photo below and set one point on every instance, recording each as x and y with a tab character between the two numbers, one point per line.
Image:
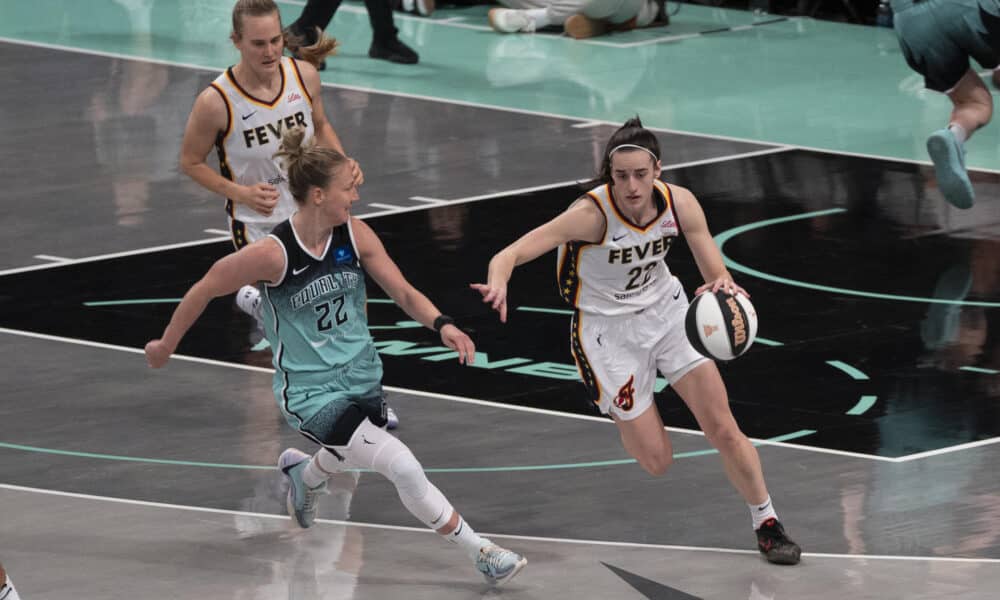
441	321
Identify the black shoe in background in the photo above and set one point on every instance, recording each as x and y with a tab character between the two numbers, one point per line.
775	545
393	51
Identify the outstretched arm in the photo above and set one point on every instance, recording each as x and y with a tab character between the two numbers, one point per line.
260	261
386	273
582	221
702	244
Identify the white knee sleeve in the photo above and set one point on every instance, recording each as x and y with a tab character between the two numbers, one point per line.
373	448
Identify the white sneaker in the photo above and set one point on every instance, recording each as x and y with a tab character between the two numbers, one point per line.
499	565
509	20
248	299
392	421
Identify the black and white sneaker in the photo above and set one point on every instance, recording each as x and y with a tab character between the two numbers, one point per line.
775	545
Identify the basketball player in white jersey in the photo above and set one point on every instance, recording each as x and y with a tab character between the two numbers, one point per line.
629	314
242	115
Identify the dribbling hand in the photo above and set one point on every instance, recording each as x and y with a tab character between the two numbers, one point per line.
457	340
495	295
157	353
724	283
261	197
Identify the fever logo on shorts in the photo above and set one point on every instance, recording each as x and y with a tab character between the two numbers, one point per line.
626	395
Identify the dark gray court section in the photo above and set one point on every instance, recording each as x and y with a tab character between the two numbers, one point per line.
89	164
101	400
91	147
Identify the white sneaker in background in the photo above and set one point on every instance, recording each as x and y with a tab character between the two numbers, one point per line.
509	20
248	299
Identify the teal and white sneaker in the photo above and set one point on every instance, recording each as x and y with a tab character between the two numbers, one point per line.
949	167
302	501
497	564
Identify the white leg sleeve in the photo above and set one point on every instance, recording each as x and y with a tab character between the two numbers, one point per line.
374	448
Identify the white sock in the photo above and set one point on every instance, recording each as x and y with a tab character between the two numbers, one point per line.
762	512
466	538
959	132
321	466
7	591
539	16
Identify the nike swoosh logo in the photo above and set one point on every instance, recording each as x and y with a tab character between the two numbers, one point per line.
297	271
677	295
245	117
615	239
318	345
365	440
765	506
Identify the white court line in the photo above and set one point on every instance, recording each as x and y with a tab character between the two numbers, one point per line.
587	124
388	207
948	450
529	538
435	395
428	200
77	261
508	109
558	184
58	259
217	232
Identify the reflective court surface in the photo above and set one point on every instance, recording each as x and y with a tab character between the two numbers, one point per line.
872	392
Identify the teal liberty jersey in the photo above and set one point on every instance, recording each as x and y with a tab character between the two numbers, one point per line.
315	318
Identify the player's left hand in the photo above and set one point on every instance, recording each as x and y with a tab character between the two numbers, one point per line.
724	283
356	173
457	340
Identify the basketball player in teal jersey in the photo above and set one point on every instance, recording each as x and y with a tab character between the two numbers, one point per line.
243	113
937	38
629	314
328	374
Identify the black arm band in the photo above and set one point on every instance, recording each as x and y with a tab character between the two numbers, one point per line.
441	321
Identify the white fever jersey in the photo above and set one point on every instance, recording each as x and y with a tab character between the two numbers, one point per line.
246	148
625	272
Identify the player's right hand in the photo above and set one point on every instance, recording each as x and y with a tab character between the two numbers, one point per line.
495	295
157	353
260	197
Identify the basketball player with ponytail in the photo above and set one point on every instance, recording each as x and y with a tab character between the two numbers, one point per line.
328	375
629	314
242	115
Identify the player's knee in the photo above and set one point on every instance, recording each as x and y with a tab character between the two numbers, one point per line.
656	464
407	474
724	437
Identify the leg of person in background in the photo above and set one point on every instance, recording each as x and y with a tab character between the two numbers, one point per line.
602	16
386	44
973	108
527	16
316	13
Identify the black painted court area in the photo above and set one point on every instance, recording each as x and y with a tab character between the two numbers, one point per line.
907	355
